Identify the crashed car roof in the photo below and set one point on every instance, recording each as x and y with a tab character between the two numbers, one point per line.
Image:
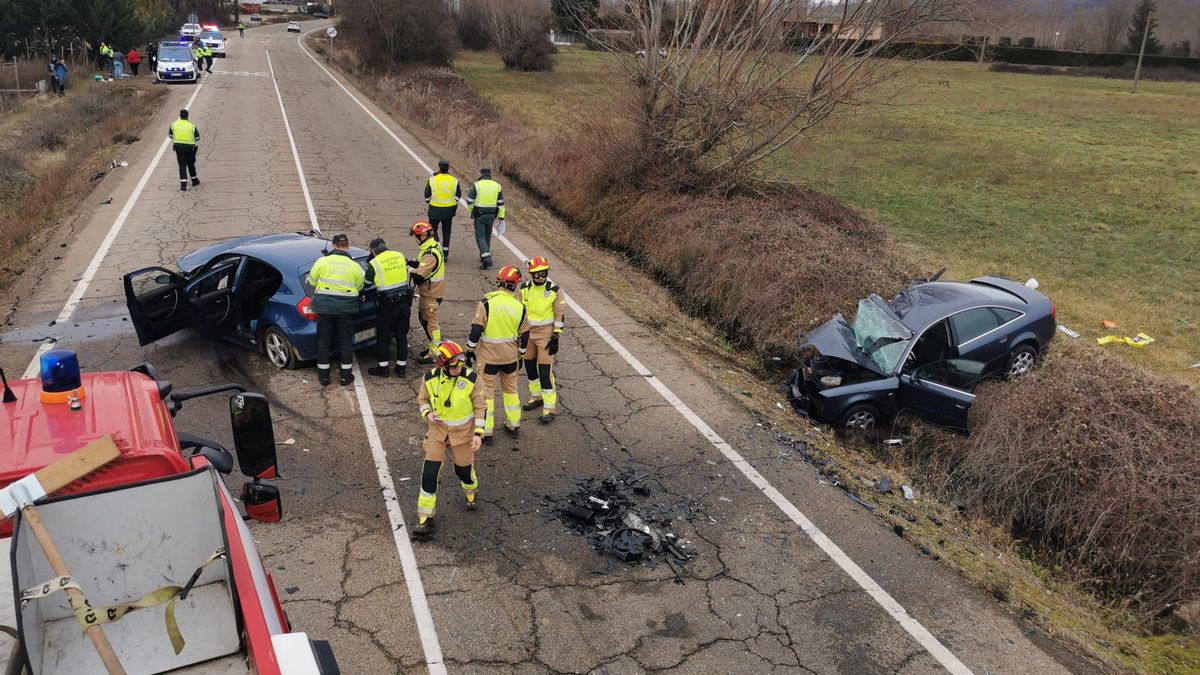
922	304
282	251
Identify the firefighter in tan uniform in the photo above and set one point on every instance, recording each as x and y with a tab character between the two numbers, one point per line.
499	330
430	279
451	403
545	307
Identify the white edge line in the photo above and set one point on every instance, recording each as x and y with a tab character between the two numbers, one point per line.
914	628
312	213
408	559
101	253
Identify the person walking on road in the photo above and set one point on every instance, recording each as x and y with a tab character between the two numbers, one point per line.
241	29
185	136
486	201
430	280
442	193
198	58
449	399
545	307
337	280
500	331
152	56
388	270
134	59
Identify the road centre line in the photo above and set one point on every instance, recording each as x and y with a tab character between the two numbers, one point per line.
312	213
914	628
101	253
408	559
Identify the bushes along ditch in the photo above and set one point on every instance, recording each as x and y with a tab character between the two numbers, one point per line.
1092	460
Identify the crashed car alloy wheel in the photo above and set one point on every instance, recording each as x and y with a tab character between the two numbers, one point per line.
863	419
1021	362
278	349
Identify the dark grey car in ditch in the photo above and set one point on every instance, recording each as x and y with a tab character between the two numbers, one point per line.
922	353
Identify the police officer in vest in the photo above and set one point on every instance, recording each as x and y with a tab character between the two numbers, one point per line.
185	135
500	331
337	281
206	54
388	270
442	193
486	201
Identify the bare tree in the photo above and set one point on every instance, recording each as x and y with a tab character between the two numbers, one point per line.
519	31
1113	24
986	18
731	82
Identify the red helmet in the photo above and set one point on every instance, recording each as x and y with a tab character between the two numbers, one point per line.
420	228
508	276
447	353
538	264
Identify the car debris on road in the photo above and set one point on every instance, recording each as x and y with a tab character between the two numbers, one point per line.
603	510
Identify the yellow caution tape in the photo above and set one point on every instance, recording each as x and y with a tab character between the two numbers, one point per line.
89	616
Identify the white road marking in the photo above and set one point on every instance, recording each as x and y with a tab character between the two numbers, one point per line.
914	628
312	213
101	253
408	559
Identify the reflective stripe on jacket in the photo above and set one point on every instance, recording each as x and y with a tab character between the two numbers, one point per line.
442	190
337	274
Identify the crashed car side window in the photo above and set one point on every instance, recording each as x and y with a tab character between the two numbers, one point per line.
883	339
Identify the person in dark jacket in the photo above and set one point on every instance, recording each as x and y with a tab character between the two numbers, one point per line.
442	193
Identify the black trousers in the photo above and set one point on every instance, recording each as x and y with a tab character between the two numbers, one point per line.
443	217
392	320
186	156
341	328
134	67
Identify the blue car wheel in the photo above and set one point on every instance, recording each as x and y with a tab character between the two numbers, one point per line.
278	349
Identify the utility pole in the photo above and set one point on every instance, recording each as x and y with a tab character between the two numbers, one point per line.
1137	74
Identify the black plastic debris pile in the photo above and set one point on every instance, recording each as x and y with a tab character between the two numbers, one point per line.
621	523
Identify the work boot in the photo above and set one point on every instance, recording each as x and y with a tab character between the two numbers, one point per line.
534	403
195	181
401	371
183	187
471	503
446	255
323	377
424	530
512	431
427	355
379	371
347	376
489	440
546	417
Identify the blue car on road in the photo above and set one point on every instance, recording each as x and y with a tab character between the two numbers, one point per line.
252	291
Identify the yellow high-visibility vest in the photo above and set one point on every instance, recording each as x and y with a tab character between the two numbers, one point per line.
450	397
337	275
391	271
539	302
183	132
504	317
442	187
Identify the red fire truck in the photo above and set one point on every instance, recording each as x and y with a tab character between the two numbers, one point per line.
157	529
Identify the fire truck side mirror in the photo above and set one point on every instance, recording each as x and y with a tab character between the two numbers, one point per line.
253	435
262	502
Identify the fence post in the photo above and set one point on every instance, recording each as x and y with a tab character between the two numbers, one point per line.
1137	74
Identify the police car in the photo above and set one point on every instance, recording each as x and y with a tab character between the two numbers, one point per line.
212	38
175	63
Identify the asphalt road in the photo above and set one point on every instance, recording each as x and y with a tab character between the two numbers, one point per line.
507	587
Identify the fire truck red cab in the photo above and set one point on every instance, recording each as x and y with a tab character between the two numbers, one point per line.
166	489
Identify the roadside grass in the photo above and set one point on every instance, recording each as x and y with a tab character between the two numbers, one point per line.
51	148
1074	181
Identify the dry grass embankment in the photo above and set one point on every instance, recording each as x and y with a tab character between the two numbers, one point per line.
1092	454
759	266
52	146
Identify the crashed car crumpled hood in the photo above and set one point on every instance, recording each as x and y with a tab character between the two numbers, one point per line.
835	339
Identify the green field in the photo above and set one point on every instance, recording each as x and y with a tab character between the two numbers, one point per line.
1091	189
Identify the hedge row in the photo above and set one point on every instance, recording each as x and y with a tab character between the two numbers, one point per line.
1032	56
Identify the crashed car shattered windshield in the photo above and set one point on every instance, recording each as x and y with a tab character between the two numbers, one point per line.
880	336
